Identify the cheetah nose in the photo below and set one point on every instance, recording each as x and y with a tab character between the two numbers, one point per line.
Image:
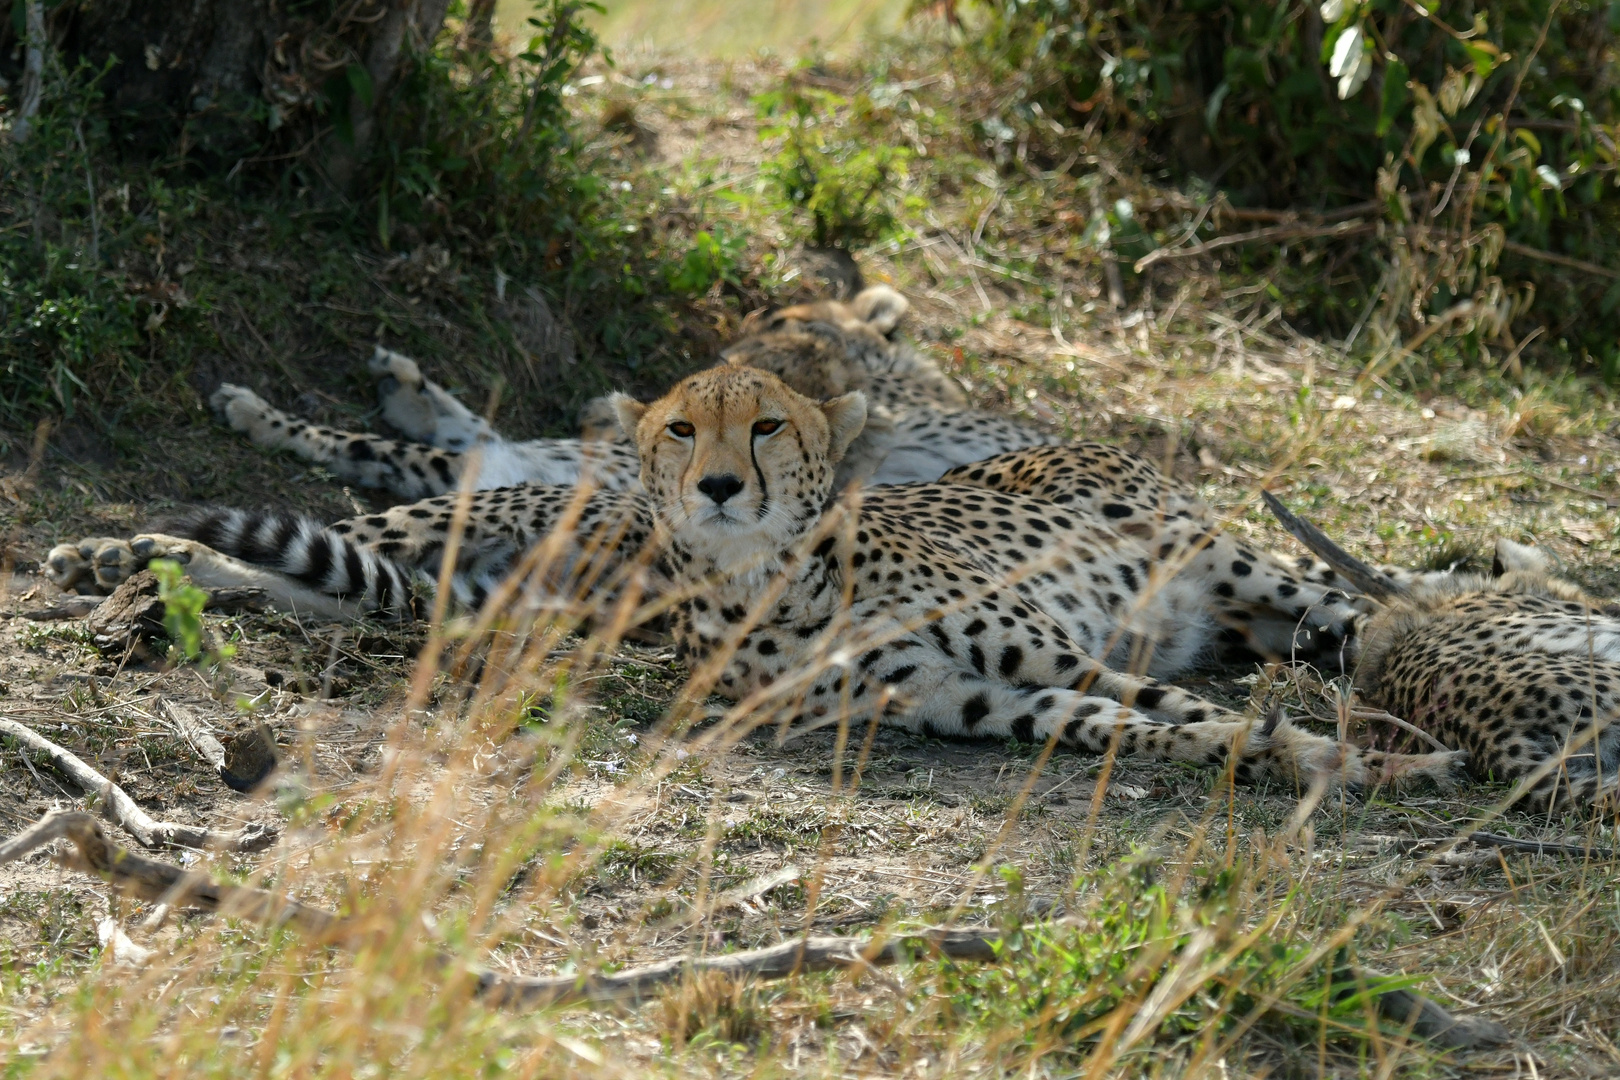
720	488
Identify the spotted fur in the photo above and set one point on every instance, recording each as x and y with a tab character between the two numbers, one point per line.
1517	667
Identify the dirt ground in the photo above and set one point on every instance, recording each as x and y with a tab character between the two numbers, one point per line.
1201	374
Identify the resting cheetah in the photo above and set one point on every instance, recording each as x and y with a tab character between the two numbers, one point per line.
918	426
944	608
1517	667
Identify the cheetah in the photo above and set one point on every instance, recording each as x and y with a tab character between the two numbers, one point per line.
918	426
943	608
1517	667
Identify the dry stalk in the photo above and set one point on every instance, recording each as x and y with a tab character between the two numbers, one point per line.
126	813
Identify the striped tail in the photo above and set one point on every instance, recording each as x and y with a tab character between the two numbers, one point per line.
306	551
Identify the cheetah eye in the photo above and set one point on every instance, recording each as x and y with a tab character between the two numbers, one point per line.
766	427
682	430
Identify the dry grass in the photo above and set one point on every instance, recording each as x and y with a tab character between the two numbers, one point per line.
573	803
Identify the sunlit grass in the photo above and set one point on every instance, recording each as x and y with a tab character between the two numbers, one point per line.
730	28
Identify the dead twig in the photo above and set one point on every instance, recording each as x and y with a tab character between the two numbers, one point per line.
127	814
1539	847
150	879
1258	236
1409	728
1558	260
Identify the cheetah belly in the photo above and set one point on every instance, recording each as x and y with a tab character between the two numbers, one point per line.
558	462
926	446
1162	631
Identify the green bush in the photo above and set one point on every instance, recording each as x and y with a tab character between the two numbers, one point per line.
474	151
832	166
1483	133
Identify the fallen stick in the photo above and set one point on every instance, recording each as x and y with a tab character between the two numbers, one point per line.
1274	233
127	814
167	884
162	882
814	953
1539	847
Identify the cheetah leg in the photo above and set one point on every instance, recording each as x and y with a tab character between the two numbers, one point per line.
111	562
421	409
1583	793
941	701
409	470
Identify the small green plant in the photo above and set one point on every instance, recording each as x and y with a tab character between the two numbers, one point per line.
183	605
1196	954
713	259
833	166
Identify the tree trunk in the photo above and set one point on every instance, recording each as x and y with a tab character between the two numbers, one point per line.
224	81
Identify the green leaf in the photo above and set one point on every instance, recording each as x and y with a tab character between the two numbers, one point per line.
1484	55
360	83
1611	298
1393	96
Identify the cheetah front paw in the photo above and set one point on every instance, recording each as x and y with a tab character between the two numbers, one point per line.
1446	768
72	567
422	410
401	391
388	364
240	408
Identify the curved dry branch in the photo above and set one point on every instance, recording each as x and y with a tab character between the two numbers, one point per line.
162	882
1359	574
127	814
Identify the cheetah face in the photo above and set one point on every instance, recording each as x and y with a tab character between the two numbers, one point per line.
737	463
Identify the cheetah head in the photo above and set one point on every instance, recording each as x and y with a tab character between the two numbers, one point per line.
739	464
818	348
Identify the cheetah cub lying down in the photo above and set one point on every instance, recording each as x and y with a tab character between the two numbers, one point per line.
949	608
919	424
1517	667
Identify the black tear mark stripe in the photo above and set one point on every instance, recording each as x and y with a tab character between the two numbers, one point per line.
759	474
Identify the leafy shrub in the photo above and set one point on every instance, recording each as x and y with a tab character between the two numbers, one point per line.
713	259
479	145
833	167
1483	138
64	328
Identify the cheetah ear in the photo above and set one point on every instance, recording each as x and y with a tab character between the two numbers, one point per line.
881	308
846	415
629	411
1518	558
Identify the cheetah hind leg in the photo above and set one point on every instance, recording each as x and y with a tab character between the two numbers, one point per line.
949	702
421	409
101	564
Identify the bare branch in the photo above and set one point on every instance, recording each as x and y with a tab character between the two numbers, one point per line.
33	83
126	813
1258	236
1362	576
